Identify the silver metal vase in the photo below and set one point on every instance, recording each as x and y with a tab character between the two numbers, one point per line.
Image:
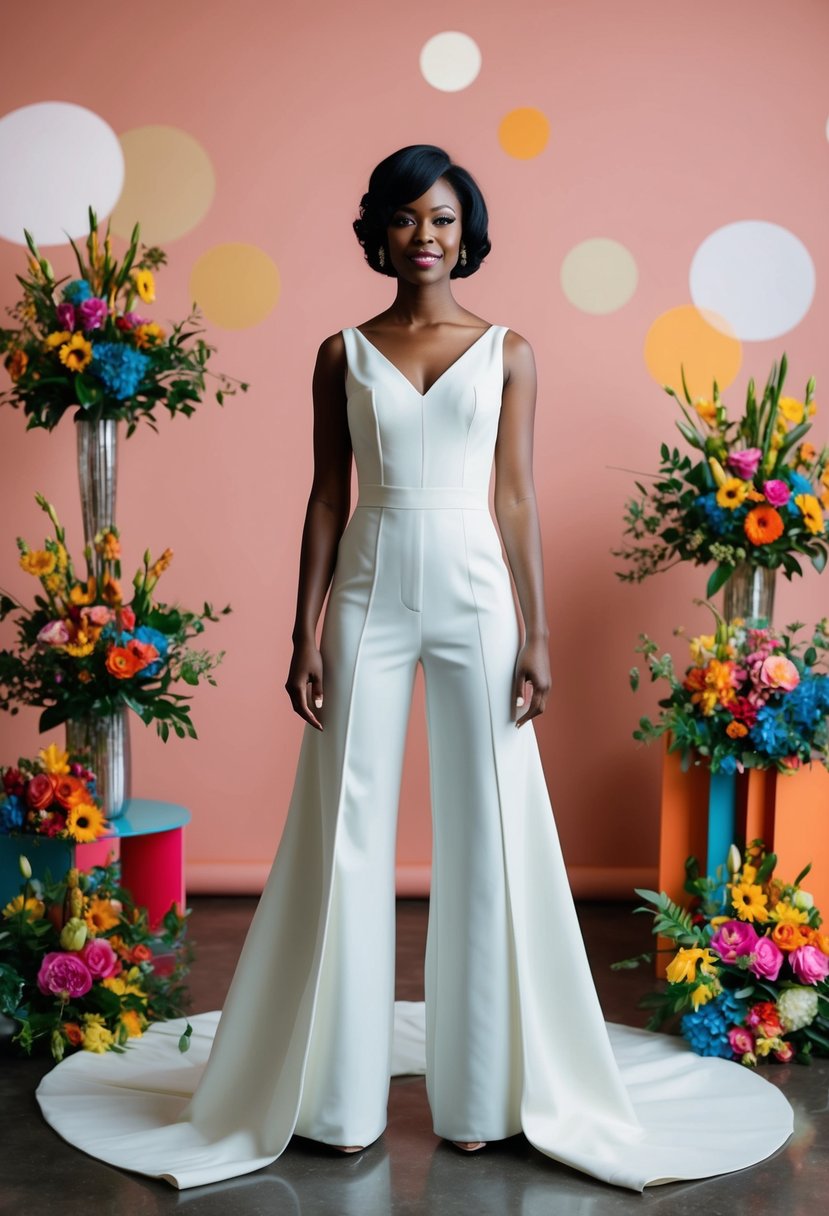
749	593
106	738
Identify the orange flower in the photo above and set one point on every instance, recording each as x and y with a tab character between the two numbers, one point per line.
122	663
111	590
70	790
763	525
736	730
787	935
83	593
140	953
73	1033
16	363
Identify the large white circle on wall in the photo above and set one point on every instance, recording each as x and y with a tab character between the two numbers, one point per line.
759	276
450	61
169	186
58	159
599	275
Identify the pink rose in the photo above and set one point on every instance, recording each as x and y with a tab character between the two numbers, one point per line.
93	312
63	972
809	964
734	938
66	316
768	959
785	1053
98	614
744	463
55	633
99	957
779	672
777	492
741	1040
127	617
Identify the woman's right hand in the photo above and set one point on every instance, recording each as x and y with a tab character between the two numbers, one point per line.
305	672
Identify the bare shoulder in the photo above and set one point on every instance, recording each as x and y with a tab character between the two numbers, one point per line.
519	359
332	349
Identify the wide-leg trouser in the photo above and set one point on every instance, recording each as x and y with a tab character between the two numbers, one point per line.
411	587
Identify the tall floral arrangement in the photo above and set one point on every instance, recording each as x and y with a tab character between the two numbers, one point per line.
81	345
755	492
751	698
84	651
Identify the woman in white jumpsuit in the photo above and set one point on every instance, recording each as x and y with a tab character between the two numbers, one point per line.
512	1037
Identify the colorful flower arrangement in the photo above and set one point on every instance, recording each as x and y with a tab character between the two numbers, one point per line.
84	652
755	494
53	795
749	980
750	699
80	967
84	347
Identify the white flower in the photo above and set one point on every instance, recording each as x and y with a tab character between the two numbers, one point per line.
803	899
797	1007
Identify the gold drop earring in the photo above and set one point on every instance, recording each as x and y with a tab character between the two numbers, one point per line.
463	255
381	256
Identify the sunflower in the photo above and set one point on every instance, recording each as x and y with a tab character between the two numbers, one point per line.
38	562
35	908
76	354
762	525
732	493
86	822
811	512
749	899
144	285
787	914
100	915
80	647
148	334
54	760
16	363
57	338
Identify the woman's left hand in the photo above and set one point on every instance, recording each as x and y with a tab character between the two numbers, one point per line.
533	664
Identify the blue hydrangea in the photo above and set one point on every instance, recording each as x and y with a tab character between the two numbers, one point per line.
119	367
808	702
799	485
145	633
718	518
12	813
728	764
706	1028
77	291
770	734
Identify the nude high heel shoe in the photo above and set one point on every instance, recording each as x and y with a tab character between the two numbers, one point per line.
469	1146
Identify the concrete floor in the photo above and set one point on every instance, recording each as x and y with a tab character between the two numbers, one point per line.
408	1172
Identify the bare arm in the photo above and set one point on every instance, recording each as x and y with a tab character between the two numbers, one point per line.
326	515
517	514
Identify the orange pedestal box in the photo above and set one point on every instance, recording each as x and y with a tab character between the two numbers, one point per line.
789	812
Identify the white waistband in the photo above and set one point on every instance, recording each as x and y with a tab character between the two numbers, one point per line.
423	496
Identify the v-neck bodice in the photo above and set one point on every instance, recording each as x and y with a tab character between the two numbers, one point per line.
443	437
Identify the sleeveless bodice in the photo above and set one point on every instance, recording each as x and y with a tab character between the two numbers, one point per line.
444	437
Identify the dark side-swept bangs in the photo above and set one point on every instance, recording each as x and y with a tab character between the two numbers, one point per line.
404	176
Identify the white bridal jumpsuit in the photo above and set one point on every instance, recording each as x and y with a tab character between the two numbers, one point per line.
512	1036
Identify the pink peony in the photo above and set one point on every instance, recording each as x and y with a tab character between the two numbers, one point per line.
99	957
809	964
98	614
779	672
768	959
63	972
55	633
733	938
777	492
66	316
744	463
741	1040
93	312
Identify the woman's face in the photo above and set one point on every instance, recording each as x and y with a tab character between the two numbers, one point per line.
424	236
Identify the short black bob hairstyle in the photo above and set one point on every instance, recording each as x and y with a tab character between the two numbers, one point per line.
404	176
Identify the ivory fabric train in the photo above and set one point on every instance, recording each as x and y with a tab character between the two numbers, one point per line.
511	1036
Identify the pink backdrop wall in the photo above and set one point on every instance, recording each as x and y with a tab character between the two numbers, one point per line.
665	124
